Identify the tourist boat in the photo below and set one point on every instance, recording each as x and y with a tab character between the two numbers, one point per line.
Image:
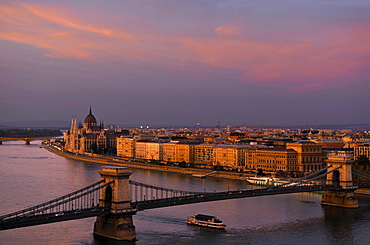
199	175
265	181
206	221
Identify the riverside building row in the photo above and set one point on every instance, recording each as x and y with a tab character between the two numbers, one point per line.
301	156
223	148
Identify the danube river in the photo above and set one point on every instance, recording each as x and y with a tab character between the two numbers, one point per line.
31	175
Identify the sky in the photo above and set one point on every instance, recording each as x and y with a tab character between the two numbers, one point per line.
177	63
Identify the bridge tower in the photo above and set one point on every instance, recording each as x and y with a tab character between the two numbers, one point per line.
118	224
344	196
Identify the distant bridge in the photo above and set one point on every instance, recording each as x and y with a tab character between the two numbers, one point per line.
26	140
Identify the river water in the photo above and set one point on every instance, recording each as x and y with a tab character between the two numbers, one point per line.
31	175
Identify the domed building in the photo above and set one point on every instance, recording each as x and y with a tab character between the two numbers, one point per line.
90	120
90	137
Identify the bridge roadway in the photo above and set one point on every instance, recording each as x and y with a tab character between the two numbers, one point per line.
217	196
38	219
27	140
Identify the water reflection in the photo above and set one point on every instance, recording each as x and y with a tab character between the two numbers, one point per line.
341	223
30	175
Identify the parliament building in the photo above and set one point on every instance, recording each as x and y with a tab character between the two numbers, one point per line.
89	137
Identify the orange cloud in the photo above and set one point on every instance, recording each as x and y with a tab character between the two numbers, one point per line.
56	30
227	30
286	63
291	60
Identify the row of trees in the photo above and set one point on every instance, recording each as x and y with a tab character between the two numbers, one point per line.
362	163
102	150
24	133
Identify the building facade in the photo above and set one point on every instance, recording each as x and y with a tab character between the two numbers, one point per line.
362	149
89	137
272	159
230	155
169	151
203	154
302	156
184	153
126	147
309	155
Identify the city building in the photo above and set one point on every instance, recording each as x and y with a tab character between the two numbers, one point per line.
126	147
362	149
169	151
230	155
309	155
203	154
184	152
271	159
89	137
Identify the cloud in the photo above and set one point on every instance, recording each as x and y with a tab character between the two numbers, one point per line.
263	53
227	30
55	29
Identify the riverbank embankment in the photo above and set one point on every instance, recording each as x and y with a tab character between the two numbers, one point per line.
164	168
149	166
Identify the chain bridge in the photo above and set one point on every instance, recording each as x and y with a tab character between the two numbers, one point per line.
115	199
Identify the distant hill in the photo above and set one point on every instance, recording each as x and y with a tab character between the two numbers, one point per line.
52	124
339	126
364	126
348	126
59	124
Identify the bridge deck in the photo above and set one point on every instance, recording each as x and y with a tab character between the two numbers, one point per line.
38	219
207	197
31	220
83	203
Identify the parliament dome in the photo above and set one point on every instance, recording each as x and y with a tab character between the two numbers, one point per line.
90	119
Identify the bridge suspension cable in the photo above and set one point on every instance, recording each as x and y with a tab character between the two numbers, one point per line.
150	192
299	181
361	174
86	197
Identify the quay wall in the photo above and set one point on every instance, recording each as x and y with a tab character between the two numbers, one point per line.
164	168
141	165
363	191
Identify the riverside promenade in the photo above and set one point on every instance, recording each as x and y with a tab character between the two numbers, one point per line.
112	160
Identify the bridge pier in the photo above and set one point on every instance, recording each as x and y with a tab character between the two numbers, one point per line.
344	196
118	224
341	198
27	142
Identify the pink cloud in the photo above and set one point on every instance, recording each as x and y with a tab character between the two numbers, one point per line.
305	63
227	30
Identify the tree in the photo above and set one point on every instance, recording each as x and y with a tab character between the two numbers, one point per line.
218	167
362	160
94	148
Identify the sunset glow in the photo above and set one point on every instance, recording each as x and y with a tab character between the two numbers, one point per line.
294	47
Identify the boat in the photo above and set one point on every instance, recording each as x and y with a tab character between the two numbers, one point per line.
206	221
265	181
199	175
204	175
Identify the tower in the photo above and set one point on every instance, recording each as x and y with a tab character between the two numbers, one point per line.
118	224
90	120
342	177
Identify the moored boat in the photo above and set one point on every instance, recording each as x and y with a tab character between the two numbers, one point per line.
206	221
199	175
265	181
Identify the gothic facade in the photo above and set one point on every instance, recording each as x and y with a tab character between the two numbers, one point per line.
89	137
